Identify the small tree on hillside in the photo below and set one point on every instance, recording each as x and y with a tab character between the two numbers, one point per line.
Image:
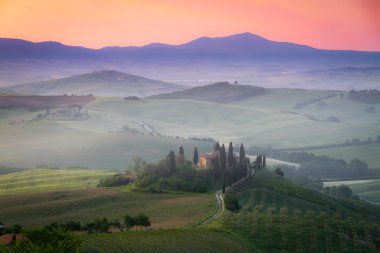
139	164
195	156
129	221
259	162
142	220
279	171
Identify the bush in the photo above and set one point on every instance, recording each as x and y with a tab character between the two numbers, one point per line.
115	180
279	172
147	180
198	185
231	203
44	240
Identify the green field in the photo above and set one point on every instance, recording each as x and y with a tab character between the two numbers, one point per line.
164	210
366	189
173	240
49	179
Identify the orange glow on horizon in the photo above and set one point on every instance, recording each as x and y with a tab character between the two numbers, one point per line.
339	24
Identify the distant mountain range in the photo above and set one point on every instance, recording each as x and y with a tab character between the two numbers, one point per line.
101	83
247	58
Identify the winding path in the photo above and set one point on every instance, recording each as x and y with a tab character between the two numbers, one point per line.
220	200
146	127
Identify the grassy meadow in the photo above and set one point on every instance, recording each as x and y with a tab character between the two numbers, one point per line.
33	180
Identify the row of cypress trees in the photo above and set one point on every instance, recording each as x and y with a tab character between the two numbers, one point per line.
225	166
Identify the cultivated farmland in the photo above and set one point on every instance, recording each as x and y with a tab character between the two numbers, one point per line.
173	240
166	210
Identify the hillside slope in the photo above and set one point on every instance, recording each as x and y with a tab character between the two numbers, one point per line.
222	92
100	83
279	216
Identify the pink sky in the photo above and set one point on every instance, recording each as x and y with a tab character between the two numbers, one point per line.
329	24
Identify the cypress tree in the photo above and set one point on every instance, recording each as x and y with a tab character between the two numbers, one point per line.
171	162
230	156
243	168
232	170
247	167
195	156
223	166
181	155
264	161
217	146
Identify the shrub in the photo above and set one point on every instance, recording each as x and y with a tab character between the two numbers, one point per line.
198	185
231	203
279	172
147	180
115	180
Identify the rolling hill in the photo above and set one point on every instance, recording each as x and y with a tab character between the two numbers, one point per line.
117	129
245	57
99	83
222	92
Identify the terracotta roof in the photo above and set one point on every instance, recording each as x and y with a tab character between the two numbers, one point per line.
210	155
7	239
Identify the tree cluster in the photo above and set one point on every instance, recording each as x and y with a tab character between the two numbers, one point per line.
341	191
174	173
45	241
365	96
139	221
101	225
228	166
323	167
115	180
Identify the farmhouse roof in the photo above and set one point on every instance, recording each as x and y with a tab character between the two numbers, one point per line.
210	155
7	239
